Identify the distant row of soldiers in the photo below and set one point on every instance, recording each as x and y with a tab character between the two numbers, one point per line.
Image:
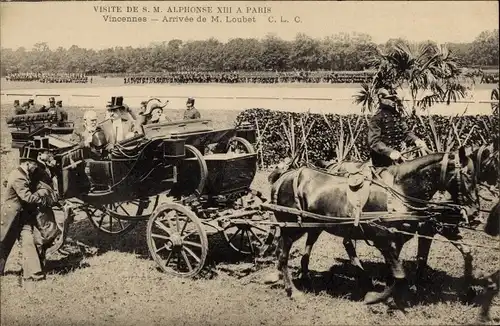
261	78
49	77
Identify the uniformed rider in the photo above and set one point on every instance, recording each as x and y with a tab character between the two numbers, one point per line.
191	112
387	130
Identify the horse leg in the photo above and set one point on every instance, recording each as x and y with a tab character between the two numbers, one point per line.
286	244
468	293
395	286
492	288
364	280
312	237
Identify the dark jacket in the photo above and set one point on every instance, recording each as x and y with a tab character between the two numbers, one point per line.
19	197
387	130
192	114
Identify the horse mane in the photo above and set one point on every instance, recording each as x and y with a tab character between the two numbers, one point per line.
401	170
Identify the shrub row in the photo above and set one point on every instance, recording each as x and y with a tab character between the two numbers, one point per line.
325	139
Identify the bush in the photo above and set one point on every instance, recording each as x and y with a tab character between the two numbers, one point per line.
325	139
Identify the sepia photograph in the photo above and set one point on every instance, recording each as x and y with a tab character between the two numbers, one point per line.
249	163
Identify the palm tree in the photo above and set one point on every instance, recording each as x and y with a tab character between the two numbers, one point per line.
427	70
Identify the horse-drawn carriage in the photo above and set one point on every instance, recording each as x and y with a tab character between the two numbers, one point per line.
204	174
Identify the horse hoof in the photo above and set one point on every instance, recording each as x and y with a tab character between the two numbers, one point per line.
271	278
297	296
372	298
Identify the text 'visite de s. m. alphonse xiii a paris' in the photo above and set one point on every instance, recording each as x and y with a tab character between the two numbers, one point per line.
191	14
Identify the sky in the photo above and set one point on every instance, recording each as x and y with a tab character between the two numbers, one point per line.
77	23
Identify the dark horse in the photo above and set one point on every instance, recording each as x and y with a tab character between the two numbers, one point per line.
401	186
485	165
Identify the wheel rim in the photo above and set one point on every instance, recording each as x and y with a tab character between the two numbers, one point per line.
201	171
121	217
239	145
177	240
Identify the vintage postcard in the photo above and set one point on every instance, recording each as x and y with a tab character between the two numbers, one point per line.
176	162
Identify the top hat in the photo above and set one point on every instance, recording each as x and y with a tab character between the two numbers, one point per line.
29	153
116	103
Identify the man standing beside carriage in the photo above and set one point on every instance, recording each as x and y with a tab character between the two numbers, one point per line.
28	216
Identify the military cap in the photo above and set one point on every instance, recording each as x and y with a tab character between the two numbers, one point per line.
190	101
51	99
31	101
384	93
16	101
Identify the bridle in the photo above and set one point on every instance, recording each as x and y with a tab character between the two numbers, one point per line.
461	178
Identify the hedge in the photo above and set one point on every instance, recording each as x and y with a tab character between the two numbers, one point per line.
325	139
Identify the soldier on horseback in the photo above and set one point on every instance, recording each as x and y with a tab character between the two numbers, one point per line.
388	130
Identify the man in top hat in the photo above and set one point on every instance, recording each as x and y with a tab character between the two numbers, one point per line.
17	220
191	112
154	112
18	109
387	130
117	127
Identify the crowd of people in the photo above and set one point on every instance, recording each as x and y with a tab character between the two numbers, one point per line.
249	77
50	77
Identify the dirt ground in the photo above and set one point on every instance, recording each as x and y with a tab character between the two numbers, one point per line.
111	280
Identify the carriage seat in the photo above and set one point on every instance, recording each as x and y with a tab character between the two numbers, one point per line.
99	173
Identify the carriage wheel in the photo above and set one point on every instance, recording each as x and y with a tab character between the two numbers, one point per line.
203	169
252	237
120	218
177	240
239	145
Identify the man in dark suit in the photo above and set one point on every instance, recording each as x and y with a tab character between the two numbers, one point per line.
17	220
117	127
18	109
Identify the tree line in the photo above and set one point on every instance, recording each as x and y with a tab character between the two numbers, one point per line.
340	52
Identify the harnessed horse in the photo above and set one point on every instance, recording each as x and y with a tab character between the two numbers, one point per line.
412	184
485	164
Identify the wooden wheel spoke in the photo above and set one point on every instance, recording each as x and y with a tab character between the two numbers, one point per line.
184	227
123	209
169	257
101	220
259	228
258	239
191	243
159	236
161	226
235	233
184	256
189	251
250	241
161	248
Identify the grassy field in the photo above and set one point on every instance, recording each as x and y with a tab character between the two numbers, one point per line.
113	281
